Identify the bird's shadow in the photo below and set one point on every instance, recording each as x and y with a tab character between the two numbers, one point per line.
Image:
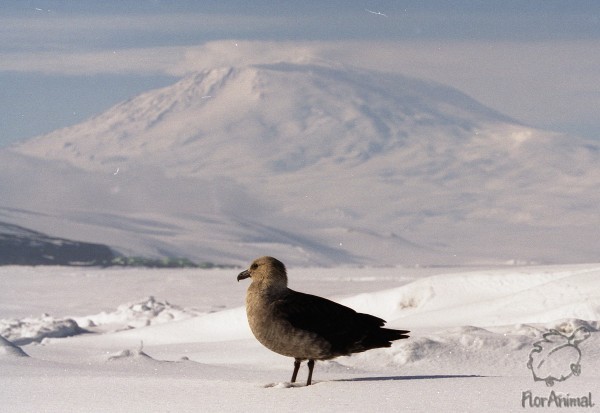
288	385
424	377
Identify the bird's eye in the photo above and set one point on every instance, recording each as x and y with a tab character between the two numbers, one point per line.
254	266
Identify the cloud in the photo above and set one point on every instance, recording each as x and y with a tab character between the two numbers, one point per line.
540	83
156	60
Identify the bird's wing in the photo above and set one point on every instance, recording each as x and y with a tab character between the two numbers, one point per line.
332	321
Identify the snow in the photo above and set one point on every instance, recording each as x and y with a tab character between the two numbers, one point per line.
186	346
143	313
321	163
8	349
30	329
127	316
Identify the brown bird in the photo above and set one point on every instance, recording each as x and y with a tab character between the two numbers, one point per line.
304	326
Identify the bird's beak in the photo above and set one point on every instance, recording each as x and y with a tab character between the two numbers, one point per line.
243	275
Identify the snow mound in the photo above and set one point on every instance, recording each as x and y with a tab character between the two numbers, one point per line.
463	350
568	326
138	314
29	330
485	299
503	307
8	349
223	325
454	350
127	354
142	313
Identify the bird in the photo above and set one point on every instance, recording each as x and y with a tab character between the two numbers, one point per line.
305	326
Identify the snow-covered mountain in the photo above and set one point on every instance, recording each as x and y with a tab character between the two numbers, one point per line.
312	163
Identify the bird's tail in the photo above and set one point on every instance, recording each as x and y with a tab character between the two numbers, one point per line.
382	337
389	334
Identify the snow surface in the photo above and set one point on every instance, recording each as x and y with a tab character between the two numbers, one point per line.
472	332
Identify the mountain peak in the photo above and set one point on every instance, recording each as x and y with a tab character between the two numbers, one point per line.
313	111
318	163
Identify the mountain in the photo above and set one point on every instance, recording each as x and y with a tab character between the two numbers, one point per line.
19	246
316	164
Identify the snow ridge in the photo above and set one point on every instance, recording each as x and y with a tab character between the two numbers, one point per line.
8	349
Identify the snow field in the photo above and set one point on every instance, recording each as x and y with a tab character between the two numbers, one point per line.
473	331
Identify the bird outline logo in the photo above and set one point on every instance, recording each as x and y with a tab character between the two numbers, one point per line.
556	357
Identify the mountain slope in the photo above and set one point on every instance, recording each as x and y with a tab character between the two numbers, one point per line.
305	112
20	246
317	164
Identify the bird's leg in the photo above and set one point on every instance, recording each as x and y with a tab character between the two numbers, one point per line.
311	366
296	367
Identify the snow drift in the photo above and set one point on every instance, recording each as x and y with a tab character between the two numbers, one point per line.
9	349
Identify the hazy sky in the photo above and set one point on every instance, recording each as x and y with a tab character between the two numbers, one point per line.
64	61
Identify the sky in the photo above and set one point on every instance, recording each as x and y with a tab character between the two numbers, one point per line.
64	61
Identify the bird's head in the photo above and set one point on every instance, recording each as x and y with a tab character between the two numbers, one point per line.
267	271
